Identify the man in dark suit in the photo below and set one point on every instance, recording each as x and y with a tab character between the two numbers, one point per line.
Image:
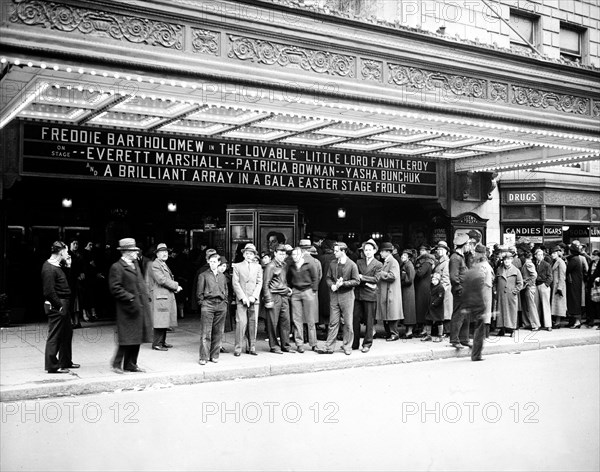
365	303
134	326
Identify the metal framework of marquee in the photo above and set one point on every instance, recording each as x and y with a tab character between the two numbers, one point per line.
406	110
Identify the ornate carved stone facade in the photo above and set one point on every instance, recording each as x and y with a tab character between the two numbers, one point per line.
285	55
206	41
541	99
429	80
498	92
372	70
596	108
67	18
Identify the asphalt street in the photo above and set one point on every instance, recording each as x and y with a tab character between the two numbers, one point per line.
536	410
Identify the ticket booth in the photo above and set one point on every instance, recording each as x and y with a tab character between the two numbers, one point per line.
263	226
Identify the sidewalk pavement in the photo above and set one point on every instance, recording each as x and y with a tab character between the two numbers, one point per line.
22	374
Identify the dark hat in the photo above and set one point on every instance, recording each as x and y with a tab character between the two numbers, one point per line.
408	252
480	248
460	239
281	248
305	243
318	235
161	247
443	245
127	244
341	245
387	246
371	242
57	246
424	246
556	249
250	248
574	249
222	260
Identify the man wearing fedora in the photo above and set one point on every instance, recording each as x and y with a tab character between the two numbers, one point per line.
389	297
134	326
442	251
342	277
459	324
247	285
162	288
365	304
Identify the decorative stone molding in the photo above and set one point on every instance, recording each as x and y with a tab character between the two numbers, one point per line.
206	41
572	198
67	18
429	80
372	70
540	99
498	92
596	109
285	55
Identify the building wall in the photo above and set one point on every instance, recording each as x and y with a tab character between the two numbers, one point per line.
475	20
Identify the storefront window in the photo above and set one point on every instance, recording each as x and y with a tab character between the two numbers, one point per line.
554	213
521	212
577	214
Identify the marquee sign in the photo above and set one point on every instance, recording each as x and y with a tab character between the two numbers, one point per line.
132	156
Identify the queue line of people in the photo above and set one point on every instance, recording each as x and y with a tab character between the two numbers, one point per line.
428	296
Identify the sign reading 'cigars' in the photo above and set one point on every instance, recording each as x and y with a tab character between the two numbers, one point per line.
103	154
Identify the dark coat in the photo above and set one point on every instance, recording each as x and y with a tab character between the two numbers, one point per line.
574	284
367	290
407	279
423	268
127	286
326	258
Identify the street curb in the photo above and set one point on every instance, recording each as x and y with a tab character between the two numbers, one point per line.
149	381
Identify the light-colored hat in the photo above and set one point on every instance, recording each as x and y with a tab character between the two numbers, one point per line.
460	239
305	243
372	243
443	245
127	244
313	251
161	247
250	248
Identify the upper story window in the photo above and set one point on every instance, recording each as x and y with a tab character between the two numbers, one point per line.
524	30
570	42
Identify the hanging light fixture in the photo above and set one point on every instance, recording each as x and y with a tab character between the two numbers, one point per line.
67	202
341	213
172	207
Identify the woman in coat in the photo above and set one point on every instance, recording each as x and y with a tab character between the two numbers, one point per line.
574	286
389	296
423	268
407	278
558	294
509	283
126	284
163	306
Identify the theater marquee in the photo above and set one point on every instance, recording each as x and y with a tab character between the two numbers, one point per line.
102	154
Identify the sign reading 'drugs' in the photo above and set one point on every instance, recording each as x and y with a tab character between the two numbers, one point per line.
103	154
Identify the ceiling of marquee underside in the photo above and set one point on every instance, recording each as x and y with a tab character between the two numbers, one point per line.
89	98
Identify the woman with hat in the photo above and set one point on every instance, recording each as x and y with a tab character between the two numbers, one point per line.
574	286
162	287
423	268
442	251
407	279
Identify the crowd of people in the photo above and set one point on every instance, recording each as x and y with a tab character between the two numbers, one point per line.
321	290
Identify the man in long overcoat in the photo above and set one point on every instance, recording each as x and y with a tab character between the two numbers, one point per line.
574	286
134	325
389	297
509	283
162	288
